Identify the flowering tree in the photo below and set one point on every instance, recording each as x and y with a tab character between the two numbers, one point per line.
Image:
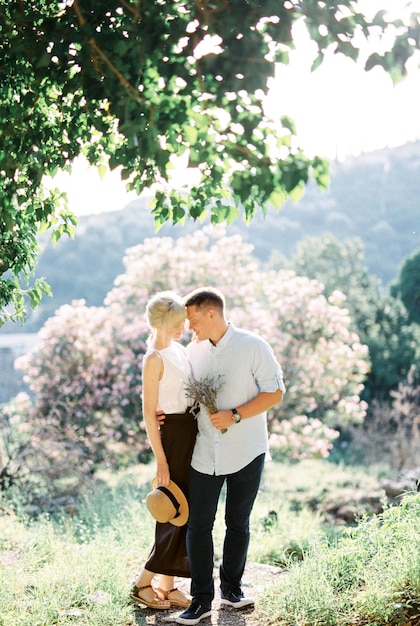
323	359
85	375
88	364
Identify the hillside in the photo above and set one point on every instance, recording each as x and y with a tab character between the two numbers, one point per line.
375	197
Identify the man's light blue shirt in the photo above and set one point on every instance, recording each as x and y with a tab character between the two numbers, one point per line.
247	366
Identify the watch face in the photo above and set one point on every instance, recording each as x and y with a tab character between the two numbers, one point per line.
236	417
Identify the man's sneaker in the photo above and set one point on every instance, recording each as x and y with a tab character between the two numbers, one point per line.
194	614
236	600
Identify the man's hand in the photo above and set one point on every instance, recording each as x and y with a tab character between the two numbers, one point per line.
221	420
160	417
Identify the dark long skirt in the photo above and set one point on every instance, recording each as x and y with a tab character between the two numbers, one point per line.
169	554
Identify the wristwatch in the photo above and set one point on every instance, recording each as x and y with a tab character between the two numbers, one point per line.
236	416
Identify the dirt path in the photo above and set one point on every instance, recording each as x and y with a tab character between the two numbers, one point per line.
256	580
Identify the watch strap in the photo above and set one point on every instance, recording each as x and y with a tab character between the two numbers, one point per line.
236	416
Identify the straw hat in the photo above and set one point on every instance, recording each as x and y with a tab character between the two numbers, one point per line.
167	504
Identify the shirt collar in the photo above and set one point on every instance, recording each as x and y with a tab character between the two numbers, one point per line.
225	339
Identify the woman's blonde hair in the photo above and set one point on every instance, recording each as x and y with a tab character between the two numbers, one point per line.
164	308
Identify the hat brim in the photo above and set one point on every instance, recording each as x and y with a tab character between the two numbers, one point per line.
183	504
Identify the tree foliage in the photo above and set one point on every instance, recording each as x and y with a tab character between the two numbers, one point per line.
137	84
393	348
340	265
407	286
381	322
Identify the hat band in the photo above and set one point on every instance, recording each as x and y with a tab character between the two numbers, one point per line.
172	499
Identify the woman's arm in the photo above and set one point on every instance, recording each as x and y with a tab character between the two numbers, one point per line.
152	373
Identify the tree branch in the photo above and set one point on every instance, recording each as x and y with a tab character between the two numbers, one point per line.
101	54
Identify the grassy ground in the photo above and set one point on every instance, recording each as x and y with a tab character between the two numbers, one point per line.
369	575
77	568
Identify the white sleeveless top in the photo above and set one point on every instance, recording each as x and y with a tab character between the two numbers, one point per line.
176	371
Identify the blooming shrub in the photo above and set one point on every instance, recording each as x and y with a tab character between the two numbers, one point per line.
86	377
302	437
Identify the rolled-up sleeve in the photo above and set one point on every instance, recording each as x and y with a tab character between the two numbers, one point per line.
266	369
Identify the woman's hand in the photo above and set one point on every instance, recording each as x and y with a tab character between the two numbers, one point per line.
162	474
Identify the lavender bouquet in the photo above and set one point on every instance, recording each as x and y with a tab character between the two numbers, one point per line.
204	391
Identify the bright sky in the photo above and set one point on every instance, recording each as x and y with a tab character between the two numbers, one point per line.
339	110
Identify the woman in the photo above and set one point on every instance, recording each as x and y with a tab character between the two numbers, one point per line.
165	373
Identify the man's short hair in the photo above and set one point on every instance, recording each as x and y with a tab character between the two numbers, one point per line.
206	297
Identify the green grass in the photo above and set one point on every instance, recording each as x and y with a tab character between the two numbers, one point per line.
49	568
368	575
78	568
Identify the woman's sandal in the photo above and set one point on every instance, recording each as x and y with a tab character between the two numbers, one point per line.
156	603
164	595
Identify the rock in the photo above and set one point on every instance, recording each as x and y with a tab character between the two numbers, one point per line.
373	501
395	488
348	513
99	597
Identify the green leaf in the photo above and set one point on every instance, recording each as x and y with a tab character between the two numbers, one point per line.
55	236
191	134
277	198
320	171
102	170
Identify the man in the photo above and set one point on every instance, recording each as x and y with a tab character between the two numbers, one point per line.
230	448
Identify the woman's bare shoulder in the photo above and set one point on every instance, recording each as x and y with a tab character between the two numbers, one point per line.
152	358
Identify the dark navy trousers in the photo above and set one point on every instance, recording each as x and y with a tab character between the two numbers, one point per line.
203	494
